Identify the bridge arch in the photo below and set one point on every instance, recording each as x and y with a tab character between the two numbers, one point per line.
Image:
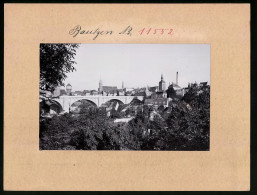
83	100
117	99
113	100
73	100
136	101
56	106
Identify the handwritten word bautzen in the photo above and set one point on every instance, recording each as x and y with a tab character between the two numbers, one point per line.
95	32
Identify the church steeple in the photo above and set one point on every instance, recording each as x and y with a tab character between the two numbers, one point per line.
100	89
162	86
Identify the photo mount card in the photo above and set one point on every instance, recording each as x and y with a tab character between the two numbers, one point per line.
53	148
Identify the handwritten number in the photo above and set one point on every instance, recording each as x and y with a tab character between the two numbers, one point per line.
171	30
149	30
141	31
155	31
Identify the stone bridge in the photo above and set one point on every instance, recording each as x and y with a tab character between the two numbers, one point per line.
65	102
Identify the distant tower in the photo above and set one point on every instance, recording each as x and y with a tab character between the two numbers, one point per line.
162	85
100	89
123	85
68	89
177	78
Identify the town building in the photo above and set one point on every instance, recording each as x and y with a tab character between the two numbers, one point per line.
148	93
86	93
153	115
158	102
129	93
154	89
109	89
128	89
120	92
203	84
93	92
179	90
161	94
78	93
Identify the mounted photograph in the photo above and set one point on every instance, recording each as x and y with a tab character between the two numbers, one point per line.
124	97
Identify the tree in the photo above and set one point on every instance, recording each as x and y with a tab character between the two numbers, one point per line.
56	60
191	94
146	111
161	108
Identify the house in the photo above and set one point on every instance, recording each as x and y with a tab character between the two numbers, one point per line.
93	92
108	89
154	114
112	93
158	102
154	89
120	92
203	84
179	90
129	93
86	93
140	93
161	94
78	93
128	89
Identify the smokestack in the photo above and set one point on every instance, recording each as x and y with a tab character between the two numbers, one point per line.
177	79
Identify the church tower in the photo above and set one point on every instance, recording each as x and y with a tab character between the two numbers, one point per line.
100	89
162	85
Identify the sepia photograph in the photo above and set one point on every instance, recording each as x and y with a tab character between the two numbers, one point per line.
124	97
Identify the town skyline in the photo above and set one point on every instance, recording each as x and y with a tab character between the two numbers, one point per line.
139	65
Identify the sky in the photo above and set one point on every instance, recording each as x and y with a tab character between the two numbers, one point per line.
139	65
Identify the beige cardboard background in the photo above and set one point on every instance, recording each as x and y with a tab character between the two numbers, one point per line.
225	167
